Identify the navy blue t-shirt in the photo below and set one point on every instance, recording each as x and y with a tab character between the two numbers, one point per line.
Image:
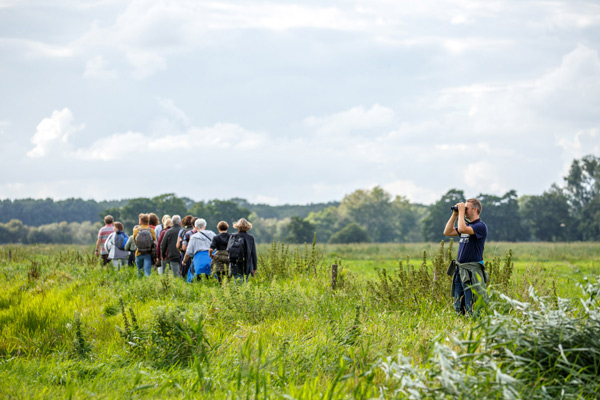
470	247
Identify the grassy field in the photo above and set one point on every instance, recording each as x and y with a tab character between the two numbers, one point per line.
70	328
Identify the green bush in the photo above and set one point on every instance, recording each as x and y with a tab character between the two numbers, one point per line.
352	233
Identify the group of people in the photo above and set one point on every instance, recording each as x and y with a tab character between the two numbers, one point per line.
191	251
183	246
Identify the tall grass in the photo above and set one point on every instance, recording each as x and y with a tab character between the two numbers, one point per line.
77	329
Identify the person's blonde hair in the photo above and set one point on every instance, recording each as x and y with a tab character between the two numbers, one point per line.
242	225
164	218
167	222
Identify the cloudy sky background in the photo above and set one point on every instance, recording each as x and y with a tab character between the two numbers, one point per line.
294	102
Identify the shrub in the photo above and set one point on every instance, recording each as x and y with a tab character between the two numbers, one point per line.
352	233
519	350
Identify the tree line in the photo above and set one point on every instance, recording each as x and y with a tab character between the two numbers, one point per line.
562	213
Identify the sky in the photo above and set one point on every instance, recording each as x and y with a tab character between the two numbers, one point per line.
295	101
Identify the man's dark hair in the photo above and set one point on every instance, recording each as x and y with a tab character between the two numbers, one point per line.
108	219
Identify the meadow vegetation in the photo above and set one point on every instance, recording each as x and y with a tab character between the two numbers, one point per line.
70	328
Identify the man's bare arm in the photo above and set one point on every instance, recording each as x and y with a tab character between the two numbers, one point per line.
449	229
462	225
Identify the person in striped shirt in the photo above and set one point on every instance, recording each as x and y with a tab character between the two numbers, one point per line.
103	234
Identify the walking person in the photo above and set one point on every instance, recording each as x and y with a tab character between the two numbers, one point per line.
168	247
103	234
469	277
241	249
218	252
187	227
144	238
159	257
162	225
115	245
130	247
197	250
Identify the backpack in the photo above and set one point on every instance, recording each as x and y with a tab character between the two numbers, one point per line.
236	248
144	241
121	240
181	235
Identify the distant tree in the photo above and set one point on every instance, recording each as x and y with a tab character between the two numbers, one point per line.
583	182
198	209
265	230
327	222
16	231
589	225
352	233
300	230
168	204
547	216
438	215
218	210
501	215
129	213
375	212
405	217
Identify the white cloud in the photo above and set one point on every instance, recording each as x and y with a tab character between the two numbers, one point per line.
581	143
169	106
572	88
114	147
484	177
211	141
145	63
357	118
578	145
98	68
412	191
34	49
52	134
3	126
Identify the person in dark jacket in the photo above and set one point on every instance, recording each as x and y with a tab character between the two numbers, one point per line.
166	225
168	247
218	252
242	270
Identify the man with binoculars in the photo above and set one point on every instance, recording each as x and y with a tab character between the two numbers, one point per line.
468	272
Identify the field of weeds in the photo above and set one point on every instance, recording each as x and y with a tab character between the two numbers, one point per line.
386	328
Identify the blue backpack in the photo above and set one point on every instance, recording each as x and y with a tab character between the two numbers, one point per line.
121	240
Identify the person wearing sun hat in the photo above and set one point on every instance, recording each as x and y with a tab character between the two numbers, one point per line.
242	251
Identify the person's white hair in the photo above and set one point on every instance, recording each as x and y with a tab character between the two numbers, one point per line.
176	219
200	223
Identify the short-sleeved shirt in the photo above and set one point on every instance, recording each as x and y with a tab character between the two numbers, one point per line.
220	241
470	247
200	241
185	239
103	234
183	231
